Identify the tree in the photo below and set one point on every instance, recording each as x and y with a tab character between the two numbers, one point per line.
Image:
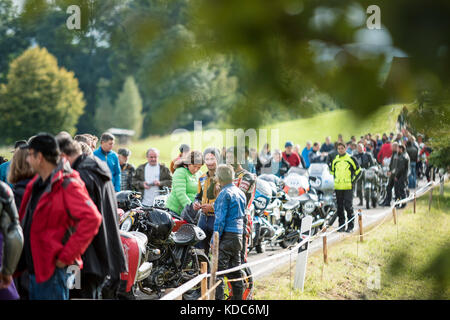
103	118
39	96
128	108
12	40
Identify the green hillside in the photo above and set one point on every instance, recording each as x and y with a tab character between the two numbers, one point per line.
298	131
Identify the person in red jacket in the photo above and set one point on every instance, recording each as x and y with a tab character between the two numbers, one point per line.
293	158
385	151
58	217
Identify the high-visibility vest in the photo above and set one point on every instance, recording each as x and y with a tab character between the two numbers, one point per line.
345	170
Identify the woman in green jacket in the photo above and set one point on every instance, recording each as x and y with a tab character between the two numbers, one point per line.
185	182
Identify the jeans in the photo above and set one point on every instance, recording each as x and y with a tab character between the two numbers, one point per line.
412	178
230	246
206	223
54	288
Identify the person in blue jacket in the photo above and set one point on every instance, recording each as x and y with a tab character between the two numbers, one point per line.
105	153
229	209
305	153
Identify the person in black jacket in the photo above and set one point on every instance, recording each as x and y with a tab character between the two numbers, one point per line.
401	174
365	161
104	256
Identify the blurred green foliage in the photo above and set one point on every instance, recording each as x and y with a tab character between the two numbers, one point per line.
38	95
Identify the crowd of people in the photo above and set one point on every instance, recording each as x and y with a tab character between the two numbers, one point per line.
64	189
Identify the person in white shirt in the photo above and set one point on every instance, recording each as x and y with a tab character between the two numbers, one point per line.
151	177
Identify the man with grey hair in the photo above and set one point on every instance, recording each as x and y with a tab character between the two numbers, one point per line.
229	208
150	177
105	153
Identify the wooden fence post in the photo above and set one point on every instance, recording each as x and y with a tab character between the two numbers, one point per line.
204	283
215	262
394	213
360	222
430	199
325	248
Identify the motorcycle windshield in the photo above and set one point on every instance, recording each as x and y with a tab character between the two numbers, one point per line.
297	181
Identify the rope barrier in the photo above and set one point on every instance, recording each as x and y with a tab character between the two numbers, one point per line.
188	285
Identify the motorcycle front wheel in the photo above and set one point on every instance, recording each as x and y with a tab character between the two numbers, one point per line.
195	293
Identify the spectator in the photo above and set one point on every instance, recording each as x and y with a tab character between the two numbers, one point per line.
297	150
208	190
413	154
327	146
345	170
291	157
401	174
184	150
305	153
391	137
104	256
56	210
127	169
230	211
245	181
105	153
352	148
315	156
365	161
248	164
279	166
333	153
20	174
86	149
391	174
264	159
4	167
83	138
185	182
385	152
151	177
11	243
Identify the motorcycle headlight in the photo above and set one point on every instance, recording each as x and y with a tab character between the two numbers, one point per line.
288	216
316	183
292	192
309	207
126	225
260	203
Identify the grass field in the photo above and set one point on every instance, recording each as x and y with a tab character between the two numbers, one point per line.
401	260
299	131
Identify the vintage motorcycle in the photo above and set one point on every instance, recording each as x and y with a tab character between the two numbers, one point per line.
322	181
384	180
173	255
371	184
264	231
303	201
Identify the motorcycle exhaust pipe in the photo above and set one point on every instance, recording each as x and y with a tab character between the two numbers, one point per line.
317	223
